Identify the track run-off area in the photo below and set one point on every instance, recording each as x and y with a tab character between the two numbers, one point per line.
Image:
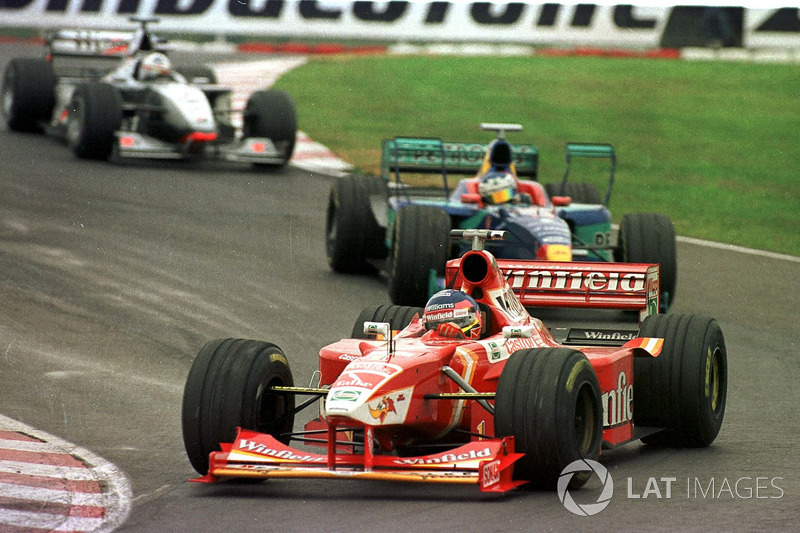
114	276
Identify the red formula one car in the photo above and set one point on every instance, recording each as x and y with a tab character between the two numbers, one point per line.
497	403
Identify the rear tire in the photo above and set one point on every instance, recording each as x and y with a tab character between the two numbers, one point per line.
581	193
272	114
352	234
399	316
95	114
226	389
27	97
421	243
684	389
650	238
548	399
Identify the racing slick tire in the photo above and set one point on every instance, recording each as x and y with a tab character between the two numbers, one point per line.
227	388
352	234
95	114
421	243
549	400
650	238
581	193
684	389
272	114
399	316
28	94
200	75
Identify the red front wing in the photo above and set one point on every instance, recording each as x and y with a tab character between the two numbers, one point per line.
486	463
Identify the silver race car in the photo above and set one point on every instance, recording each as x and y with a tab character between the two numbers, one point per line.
115	93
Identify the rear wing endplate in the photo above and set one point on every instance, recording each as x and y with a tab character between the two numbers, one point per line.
434	156
592	150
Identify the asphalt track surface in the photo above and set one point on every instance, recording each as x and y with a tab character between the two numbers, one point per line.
112	276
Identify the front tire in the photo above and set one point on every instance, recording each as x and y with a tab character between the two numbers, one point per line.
28	94
95	114
421	244
228	387
684	389
548	399
272	114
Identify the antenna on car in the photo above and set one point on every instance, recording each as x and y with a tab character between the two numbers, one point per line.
478	236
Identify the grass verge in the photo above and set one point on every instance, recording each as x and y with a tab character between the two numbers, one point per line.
712	144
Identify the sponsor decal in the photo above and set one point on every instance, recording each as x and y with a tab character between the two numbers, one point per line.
347	357
521	343
446	458
351	379
447	315
494	351
382	408
601	335
560	280
653	291
508	302
491	473
284	455
618	404
346	395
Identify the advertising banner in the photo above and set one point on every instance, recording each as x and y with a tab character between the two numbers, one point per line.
536	24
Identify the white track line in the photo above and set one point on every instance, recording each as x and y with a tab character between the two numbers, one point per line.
739	249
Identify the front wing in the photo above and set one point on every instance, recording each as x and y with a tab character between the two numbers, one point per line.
487	463
247	150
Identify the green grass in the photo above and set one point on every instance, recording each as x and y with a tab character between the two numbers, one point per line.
715	145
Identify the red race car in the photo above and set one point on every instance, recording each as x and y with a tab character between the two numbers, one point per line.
471	389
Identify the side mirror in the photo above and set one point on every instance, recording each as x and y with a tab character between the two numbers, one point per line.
470	198
561	201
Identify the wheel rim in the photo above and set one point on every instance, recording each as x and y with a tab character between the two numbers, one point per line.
585	420
272	407
331	233
714	381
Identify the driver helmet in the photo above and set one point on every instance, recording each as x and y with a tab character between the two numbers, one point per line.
497	187
154	66
452	314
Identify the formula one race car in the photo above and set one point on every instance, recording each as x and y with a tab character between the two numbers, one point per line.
140	107
469	390
404	219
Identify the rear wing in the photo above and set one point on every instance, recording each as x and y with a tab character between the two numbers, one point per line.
104	43
434	156
593	285
89	43
604	151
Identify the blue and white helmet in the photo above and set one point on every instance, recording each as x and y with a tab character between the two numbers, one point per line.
497	187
